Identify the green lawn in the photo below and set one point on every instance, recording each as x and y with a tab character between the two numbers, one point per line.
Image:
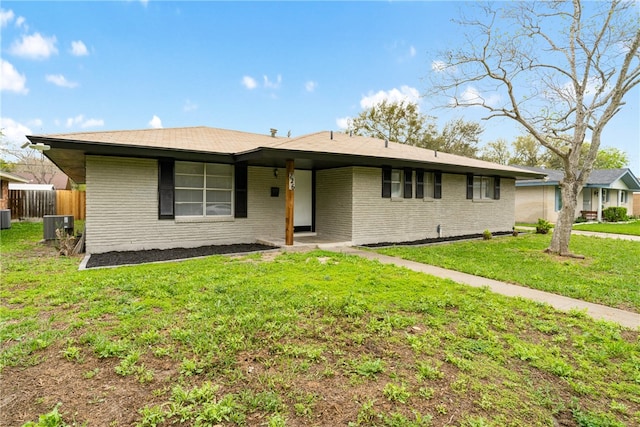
609	275
297	339
632	227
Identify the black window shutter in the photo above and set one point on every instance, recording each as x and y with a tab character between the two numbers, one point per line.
408	183
166	189
419	183
437	185
386	182
470	186
496	188
240	199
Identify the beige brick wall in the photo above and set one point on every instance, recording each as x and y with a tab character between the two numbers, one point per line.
395	220
334	203
122	210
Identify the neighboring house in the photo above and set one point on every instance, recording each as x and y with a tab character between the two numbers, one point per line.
59	180
6	179
540	198
189	187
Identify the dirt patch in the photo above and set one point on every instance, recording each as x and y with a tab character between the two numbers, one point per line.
110	259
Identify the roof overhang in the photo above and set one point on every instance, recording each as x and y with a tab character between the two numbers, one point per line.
70	154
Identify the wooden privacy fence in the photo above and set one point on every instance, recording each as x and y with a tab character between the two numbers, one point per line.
38	203
71	202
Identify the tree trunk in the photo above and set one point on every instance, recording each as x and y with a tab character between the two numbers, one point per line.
562	231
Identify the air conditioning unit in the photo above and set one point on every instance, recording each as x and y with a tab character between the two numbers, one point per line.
54	222
5	219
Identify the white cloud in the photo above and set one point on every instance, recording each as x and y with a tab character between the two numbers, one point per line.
412	51
249	82
344	122
6	16
11	80
189	106
310	86
78	48
272	85
20	21
35	122
472	95
60	80
405	93
34	46
79	120
14	131
155	122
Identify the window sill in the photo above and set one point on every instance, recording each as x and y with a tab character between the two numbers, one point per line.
397	199
483	200
196	219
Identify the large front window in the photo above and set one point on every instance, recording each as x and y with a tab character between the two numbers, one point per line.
483	187
203	189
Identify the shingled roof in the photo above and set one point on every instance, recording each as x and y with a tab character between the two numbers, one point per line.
599	178
319	150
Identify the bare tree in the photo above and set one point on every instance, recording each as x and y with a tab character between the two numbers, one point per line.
558	68
28	162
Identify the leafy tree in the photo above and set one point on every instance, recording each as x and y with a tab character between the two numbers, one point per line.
611	158
528	152
497	152
560	69
459	137
395	121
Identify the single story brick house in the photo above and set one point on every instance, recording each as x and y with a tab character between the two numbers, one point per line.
190	187
540	198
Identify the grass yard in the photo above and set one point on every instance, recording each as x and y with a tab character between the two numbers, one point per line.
609	275
632	227
295	339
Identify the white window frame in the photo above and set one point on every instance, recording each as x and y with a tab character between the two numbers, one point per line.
486	187
206	187
429	185
397	180
623	197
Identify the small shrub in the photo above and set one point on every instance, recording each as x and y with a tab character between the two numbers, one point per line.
615	214
580	219
486	235
543	226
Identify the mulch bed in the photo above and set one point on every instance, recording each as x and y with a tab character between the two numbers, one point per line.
435	240
110	259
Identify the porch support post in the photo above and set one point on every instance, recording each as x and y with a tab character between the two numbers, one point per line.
289	193
600	204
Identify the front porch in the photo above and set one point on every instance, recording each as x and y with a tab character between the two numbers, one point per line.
304	241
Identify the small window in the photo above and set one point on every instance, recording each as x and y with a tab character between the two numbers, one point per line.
396	183
623	197
558	201
483	188
605	195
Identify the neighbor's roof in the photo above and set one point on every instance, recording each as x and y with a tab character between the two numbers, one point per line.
599	178
9	177
37	187
313	151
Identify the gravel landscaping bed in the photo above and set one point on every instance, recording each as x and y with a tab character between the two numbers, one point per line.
109	259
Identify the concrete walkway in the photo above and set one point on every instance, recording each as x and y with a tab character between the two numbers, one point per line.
606	235
597	311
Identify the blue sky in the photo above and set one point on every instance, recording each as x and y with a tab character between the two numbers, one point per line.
294	66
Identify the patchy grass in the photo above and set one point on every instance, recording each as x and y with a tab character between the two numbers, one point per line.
301	339
630	228
609	274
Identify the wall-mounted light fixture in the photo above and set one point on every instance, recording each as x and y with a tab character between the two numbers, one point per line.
39	146
275	172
